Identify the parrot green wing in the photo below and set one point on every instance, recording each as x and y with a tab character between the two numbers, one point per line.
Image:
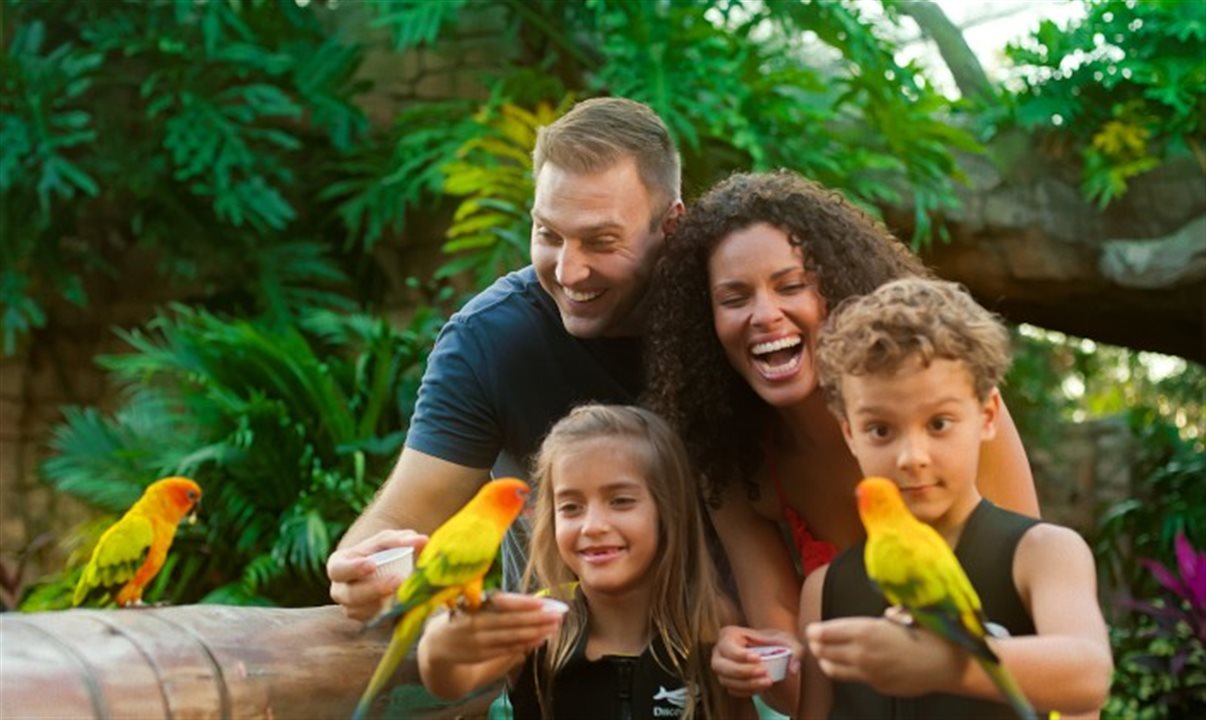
460	551
915	568
118	555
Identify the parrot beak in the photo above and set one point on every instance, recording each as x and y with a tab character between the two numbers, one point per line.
192	516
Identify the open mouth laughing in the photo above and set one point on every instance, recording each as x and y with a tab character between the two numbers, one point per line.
779	358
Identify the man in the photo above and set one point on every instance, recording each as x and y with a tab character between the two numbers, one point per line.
537	342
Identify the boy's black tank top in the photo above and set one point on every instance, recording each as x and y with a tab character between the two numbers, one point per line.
986	549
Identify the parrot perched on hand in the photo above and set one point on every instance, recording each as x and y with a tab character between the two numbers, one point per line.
914	568
451	566
132	550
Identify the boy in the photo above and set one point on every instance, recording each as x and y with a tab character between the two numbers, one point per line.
911	372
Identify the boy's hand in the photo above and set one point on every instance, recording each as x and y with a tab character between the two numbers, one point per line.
509	623
892	659
742	672
354	582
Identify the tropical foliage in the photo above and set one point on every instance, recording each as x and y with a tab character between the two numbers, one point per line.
1125	88
288	430
1161	659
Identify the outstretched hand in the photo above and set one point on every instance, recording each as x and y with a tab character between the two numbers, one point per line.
354	584
891	658
508	624
740	671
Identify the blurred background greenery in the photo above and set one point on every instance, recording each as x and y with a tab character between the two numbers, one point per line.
266	164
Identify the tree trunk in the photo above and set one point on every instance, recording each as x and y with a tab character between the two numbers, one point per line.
202	661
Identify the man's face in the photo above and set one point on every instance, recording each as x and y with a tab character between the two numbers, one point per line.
593	249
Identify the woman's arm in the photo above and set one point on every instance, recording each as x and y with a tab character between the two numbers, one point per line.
1005	476
816	696
768	590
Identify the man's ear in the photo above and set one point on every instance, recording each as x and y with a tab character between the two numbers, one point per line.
991	410
673	215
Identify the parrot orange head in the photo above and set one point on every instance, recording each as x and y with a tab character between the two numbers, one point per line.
878	500
506	496
176	496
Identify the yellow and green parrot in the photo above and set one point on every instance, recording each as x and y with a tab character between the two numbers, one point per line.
450	568
132	550
915	569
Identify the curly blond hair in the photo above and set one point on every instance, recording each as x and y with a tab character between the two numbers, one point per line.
904	319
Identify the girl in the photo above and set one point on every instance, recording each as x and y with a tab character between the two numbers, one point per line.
618	534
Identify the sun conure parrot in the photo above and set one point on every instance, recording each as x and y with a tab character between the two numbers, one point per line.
451	568
132	550
914	568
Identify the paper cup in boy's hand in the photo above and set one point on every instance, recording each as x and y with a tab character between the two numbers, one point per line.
775	658
399	561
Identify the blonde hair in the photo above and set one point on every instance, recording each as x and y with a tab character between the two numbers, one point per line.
600	132
912	317
686	614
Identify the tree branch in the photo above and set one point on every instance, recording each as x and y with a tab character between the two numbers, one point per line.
964	66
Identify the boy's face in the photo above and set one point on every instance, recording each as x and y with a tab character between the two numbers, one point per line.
922	427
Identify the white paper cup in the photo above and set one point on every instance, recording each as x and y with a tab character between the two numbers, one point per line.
775	658
399	561
551	605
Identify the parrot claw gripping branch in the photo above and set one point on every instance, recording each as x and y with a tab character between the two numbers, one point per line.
450	572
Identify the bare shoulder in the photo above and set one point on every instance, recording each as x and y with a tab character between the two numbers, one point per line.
1044	538
1052	555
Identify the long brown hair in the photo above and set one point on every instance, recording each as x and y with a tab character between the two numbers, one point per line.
686	613
691	382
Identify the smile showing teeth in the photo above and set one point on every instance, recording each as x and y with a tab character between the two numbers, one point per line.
778	359
599	554
581	296
773	345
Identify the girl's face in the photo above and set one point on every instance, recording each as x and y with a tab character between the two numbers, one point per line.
604	518
766	310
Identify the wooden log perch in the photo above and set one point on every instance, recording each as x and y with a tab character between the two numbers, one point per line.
202	662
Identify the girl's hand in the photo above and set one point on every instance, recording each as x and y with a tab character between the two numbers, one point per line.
741	671
892	659
509	623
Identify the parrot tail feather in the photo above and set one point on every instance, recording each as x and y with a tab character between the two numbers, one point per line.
1009	688
404	635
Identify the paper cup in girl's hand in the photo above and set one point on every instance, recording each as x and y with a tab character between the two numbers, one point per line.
399	561
775	658
550	605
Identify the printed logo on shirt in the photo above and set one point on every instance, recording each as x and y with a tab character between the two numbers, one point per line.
669	703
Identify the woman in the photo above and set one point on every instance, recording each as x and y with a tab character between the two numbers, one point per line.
743	288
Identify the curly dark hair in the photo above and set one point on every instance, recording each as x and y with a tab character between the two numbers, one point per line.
690	381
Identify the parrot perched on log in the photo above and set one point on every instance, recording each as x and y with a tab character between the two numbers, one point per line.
132	550
914	568
450	569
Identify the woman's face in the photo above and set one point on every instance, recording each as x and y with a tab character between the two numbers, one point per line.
767	311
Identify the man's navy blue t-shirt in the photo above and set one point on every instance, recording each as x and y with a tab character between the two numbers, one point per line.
504	369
